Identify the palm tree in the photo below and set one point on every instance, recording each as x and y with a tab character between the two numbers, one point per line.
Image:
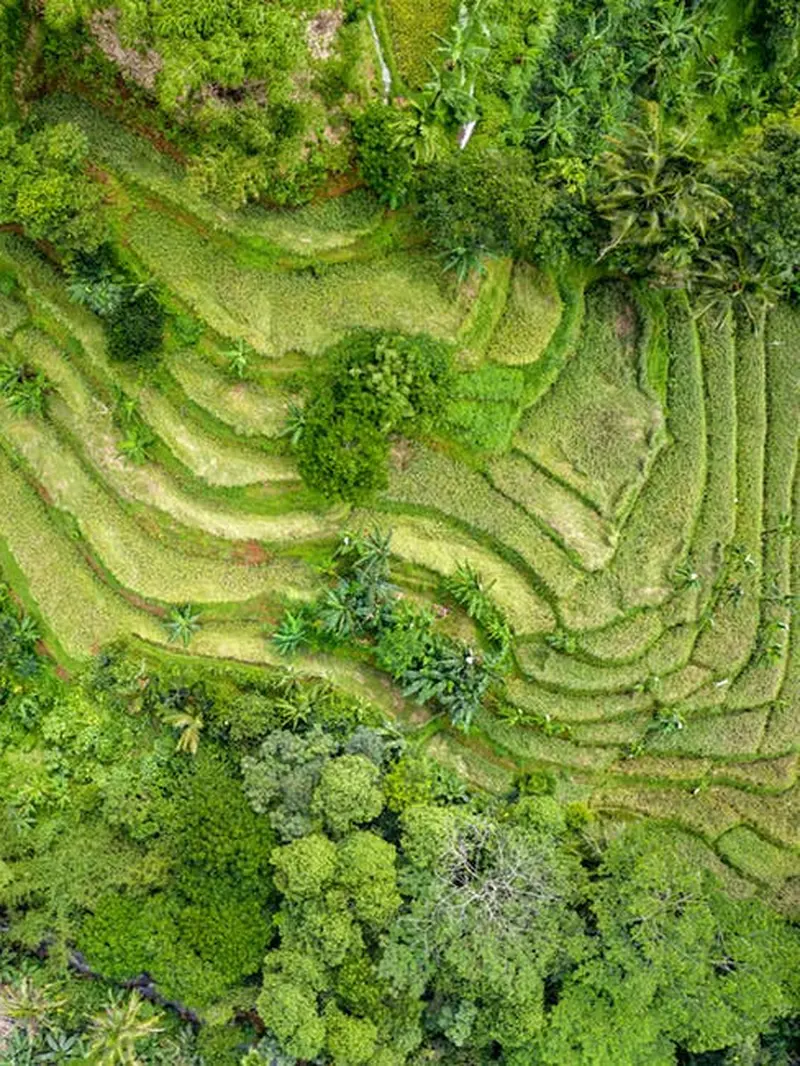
463	260
367	554
238	359
468	45
292	633
31	1006
728	274
657	191
182	623
295	424
338	613
678	31
415	130
556	127
116	1032
136	444
126	408
191	726
24	388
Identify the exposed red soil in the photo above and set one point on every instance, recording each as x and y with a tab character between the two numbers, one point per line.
44	494
250	553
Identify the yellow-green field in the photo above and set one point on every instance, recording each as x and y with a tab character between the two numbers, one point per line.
637	536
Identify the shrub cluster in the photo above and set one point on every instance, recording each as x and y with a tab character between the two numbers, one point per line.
365	608
45	189
133	315
372	385
310	885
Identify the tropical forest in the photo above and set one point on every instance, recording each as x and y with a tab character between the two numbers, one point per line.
399	532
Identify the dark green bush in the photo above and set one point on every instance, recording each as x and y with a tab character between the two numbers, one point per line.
385	167
44	187
767	204
206	929
489	201
341	454
373	384
135	328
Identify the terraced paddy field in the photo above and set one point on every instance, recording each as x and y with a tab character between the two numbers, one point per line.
622	470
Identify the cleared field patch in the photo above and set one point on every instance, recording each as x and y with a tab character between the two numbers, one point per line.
783	729
278	312
765	775
444	487
652	768
531	745
595	429
570	707
625	640
659	528
140	563
727	644
203	454
762	678
775	817
82	612
717	519
485	407
88	422
582	530
152	485
250	411
481	771
706	812
719	736
479	326
542	373
605	734
437	547
331	225
757	858
530	318
13	315
568	674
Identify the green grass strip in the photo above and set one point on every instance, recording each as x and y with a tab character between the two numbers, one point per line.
433	481
542	374
333	225
80	610
726	646
249	411
595	428
582	532
531	316
571	707
756	858
783	730
277	312
139	562
624	641
761	682
717	521
717	736
658	532
440	548
478	328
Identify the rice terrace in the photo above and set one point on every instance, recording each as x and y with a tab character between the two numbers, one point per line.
399	540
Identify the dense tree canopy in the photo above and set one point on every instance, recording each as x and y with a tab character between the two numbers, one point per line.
232	859
44	187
